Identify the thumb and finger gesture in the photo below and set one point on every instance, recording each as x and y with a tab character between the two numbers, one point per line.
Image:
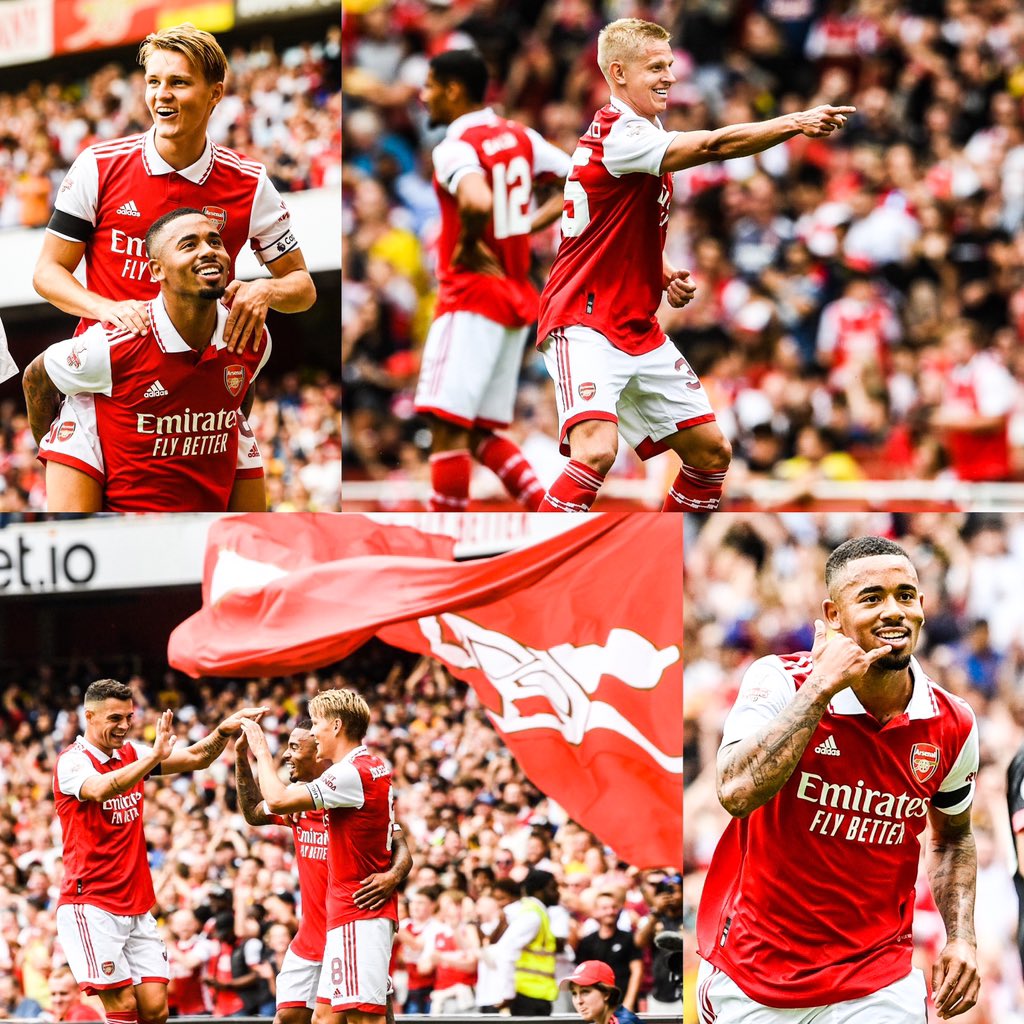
839	660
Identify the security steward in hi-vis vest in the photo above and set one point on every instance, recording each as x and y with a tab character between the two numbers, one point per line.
536	988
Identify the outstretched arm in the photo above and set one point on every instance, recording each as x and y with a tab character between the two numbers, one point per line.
102	787
752	770
279	798
689	149
207	750
249	796
952	872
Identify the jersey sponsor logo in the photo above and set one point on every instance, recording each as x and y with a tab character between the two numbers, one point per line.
924	759
217	214
73	360
587	390
129	209
188	433
107	967
234	378
65	430
829	748
840	795
155	390
133	248
552	689
123	809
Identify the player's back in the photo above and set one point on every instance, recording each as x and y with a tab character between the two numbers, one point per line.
608	272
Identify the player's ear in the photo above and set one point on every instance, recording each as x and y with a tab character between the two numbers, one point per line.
830	610
216	93
156	271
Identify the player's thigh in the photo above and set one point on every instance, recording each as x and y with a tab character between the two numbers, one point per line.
663	398
147	958
355	966
297	984
459	357
70	490
151	999
903	1002
721	1001
498	401
94	943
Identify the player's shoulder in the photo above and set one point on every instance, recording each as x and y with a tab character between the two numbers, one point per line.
950	705
794	668
73	749
231	159
112	148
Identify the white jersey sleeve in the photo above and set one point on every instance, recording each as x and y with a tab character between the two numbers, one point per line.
73	768
635	145
765	691
81	365
339	786
78	195
453	160
548	159
995	388
270	226
956	793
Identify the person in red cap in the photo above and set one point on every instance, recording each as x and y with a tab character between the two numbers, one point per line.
595	995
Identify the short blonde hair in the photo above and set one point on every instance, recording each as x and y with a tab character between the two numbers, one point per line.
625	41
345	705
199	48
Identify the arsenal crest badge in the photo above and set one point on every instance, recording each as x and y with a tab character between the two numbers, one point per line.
587	390
108	967
924	759
65	430
217	214
234	378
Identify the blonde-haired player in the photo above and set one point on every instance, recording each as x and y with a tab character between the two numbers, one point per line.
615	370
356	793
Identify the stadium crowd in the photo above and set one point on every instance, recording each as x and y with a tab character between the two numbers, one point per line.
860	303
225	890
754	588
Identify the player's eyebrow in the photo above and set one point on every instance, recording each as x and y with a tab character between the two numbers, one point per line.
878	589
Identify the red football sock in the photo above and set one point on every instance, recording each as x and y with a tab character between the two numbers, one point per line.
504	459
694	490
127	1017
449	476
574	491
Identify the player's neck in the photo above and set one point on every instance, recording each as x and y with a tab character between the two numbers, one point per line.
194	320
625	101
181	153
887	695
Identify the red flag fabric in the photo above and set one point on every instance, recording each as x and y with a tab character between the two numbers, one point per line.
573	645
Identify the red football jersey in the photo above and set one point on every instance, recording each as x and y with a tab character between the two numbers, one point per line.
105	862
810	899
310	831
608	272
510	157
115	190
357	796
981	387
167	417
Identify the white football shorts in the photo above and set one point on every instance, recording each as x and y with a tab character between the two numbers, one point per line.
106	951
721	1001
74	440
297	983
649	396
354	975
470	370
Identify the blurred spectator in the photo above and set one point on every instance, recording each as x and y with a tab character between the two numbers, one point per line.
13	1002
614	945
66	1000
239	989
664	892
414	938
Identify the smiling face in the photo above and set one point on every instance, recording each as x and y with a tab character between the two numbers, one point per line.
179	98
108	722
876	601
644	82
189	258
301	758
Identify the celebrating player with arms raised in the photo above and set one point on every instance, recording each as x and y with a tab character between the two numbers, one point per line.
614	368
103	913
356	794
113	193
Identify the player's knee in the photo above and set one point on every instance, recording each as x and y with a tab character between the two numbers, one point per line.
595	447
714	456
154	1017
119	1000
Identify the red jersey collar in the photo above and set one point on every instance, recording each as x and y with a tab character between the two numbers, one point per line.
156	165
97	753
920	706
166	334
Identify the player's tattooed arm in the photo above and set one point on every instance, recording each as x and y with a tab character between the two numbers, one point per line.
752	770
207	750
376	889
42	399
952	863
277	797
249	796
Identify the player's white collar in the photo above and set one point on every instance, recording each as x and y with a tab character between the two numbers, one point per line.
166	334
100	755
627	109
471	120
921	705
156	165
354	753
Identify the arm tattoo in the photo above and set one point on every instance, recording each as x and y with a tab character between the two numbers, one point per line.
249	795
953	872
753	770
42	399
207	750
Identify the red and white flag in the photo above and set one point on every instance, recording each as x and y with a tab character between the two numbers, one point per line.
573	645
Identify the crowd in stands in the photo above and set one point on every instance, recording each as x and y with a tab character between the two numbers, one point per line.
754	588
280	108
860	301
477	828
295	423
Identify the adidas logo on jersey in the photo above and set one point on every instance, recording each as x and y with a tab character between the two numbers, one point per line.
254	451
828	747
155	390
129	209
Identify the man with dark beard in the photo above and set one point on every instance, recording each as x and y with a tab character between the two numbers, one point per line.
831	763
167	400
